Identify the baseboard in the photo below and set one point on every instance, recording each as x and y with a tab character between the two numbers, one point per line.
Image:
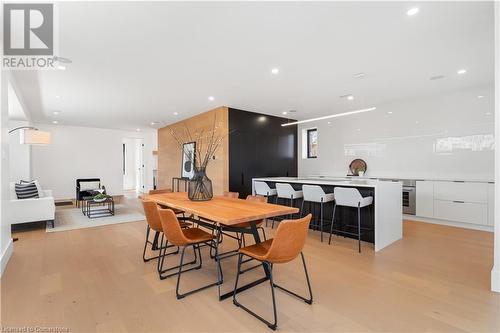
6	256
479	227
495	279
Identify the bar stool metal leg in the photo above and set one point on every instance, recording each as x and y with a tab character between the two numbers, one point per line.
321	220
359	229
333	221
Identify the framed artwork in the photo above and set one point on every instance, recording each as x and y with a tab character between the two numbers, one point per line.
188	156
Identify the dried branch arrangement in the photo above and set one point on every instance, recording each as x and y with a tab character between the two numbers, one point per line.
207	142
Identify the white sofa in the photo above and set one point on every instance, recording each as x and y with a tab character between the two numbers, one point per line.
32	210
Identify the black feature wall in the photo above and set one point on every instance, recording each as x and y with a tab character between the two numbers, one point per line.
259	147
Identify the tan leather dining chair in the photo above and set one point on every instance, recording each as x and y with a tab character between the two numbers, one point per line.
233	195
161	245
284	247
189	237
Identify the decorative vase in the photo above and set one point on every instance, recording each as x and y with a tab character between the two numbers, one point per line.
200	186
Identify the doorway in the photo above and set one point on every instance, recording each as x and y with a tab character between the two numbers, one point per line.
133	165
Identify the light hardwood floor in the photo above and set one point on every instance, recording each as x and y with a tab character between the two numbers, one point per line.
93	280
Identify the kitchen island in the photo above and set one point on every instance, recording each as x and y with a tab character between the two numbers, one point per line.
387	217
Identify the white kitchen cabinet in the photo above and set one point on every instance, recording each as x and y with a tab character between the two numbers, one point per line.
461	191
424	198
460	211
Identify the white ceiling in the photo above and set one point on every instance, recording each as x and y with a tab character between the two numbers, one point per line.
134	63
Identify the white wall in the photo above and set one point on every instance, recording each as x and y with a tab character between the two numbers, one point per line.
495	272
19	155
448	136
82	152
5	237
129	179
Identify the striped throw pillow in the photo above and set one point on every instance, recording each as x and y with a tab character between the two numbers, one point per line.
26	191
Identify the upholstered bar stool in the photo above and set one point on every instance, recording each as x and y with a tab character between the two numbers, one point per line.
262	189
287	192
316	194
350	197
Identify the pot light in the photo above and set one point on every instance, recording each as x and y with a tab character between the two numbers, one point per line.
359	75
461	71
275	70
412	11
488	113
55	122
61	67
350	97
176	113
138	129
58	97
480	96
329	122
56	113
389	112
211	98
284	112
330	116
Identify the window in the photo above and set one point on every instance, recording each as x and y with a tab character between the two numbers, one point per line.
312	143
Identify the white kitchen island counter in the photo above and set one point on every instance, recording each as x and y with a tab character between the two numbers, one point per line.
388	216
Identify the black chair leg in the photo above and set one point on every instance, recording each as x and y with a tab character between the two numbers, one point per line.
307	300
177	293
235	302
161	260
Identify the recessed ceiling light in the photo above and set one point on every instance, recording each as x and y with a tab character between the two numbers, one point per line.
138	129
359	129
284	112
329	122
57	96
55	122
350	97
416	121
176	113
61	67
488	113
461	71
275	70
56	113
211	98
359	75
480	96
412	11
389	112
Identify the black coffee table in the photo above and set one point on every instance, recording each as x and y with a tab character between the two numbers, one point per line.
94	209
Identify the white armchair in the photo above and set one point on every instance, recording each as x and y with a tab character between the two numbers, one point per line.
32	210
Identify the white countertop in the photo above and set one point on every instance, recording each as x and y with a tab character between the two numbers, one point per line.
385	178
358	182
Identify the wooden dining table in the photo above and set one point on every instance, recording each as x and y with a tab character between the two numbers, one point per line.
227	212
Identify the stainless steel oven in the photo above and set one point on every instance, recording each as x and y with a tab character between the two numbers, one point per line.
409	197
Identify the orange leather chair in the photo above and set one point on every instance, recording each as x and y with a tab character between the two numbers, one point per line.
189	237
286	246
154	223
